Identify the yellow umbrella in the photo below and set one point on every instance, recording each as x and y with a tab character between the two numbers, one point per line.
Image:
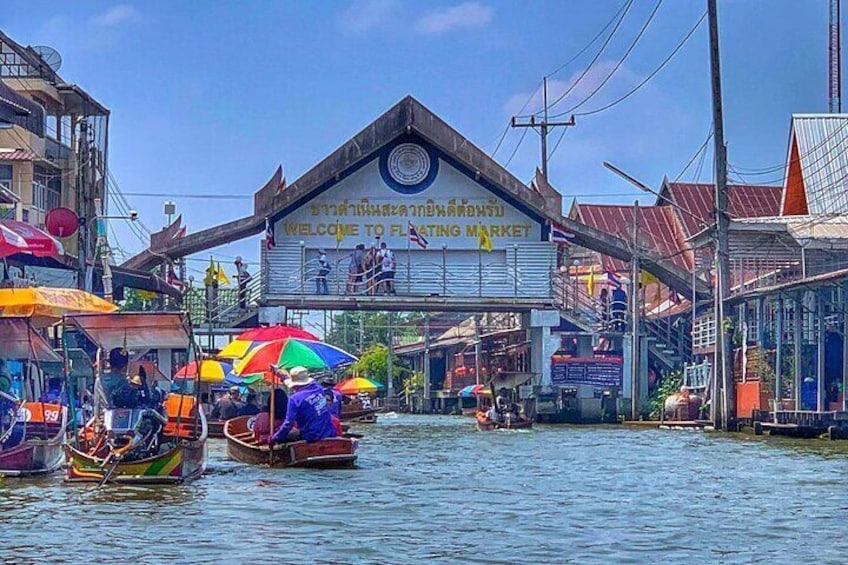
236	349
50	303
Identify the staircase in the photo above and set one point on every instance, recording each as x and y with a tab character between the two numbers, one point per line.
225	311
668	343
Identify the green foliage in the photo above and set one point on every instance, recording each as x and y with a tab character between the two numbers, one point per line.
373	364
670	384
345	331
413	382
133	301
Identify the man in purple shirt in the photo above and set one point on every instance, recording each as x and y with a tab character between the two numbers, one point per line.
307	408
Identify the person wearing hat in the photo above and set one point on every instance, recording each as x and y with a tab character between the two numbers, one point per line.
243	277
307	408
323	271
227	407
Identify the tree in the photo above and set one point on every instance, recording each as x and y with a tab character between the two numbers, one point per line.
374	365
347	333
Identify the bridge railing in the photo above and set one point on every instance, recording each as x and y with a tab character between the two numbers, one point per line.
487	278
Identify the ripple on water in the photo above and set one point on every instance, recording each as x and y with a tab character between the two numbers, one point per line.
432	488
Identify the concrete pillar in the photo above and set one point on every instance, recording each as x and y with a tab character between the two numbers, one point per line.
778	355
797	329
542	344
820	351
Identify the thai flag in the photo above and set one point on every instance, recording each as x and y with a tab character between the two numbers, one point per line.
269	234
416	237
560	235
613	280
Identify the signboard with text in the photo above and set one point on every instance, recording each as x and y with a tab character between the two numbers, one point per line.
382	198
604	372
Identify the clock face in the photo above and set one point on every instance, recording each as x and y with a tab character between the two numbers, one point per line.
408	164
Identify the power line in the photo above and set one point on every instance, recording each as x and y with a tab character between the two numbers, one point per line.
596	57
202	196
514	151
618	64
701	149
650	76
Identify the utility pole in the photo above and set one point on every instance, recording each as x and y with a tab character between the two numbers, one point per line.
635	307
723	368
426	404
543	126
835	58
390	363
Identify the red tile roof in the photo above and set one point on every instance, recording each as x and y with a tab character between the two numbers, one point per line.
744	201
659	231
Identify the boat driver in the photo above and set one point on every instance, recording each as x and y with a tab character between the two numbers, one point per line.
307	408
115	379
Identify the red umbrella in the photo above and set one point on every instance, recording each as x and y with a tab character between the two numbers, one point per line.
18	237
273	333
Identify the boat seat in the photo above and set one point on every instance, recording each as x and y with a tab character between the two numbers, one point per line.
182	414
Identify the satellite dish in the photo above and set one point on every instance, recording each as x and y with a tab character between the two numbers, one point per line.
50	56
61	222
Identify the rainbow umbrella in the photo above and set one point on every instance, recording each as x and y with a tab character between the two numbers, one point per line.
468	391
293	352
249	340
210	371
355	385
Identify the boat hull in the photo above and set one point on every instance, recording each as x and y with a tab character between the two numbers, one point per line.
31	458
484	424
216	428
361	416
333	453
181	463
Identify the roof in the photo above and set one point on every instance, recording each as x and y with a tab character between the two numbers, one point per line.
135	330
16	154
743	201
809	283
659	231
20	341
817	165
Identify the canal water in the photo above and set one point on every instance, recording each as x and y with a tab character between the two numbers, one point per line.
432	488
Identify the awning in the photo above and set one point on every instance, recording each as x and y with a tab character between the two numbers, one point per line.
20	238
20	341
16	155
49	304
135	330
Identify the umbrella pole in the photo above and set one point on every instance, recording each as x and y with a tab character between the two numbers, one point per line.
271	418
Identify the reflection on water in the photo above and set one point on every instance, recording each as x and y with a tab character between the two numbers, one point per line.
433	488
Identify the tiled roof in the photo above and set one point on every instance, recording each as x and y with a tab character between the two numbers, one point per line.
659	231
743	201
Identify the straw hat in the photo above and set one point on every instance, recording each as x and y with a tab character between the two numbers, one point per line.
299	376
136	380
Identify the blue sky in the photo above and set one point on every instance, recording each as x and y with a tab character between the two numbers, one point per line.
210	100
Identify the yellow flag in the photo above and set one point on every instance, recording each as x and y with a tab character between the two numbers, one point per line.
648	278
339	235
211	273
484	240
590	284
222	277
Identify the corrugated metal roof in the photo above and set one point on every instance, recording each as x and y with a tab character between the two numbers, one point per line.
20	341
743	201
135	330
822	142
659	231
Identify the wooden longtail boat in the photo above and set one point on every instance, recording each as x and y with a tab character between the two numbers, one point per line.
484	424
216	428
333	453
355	413
31	433
34	444
183	459
165	443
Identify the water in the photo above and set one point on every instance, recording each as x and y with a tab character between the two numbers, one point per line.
433	488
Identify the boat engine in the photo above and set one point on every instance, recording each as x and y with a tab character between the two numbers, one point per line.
132	430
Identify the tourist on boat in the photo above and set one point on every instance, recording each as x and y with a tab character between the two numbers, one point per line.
53	394
334	397
227	407
262	422
307	408
251	405
323	271
114	380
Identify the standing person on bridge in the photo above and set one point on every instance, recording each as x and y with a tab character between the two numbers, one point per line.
356	268
387	270
243	278
323	271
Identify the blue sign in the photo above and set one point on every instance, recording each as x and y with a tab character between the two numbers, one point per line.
601	372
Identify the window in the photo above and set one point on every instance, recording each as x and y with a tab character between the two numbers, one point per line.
6	177
46	188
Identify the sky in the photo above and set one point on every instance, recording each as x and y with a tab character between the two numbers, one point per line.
208	99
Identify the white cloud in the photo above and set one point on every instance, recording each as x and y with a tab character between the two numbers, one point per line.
468	15
364	15
117	15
